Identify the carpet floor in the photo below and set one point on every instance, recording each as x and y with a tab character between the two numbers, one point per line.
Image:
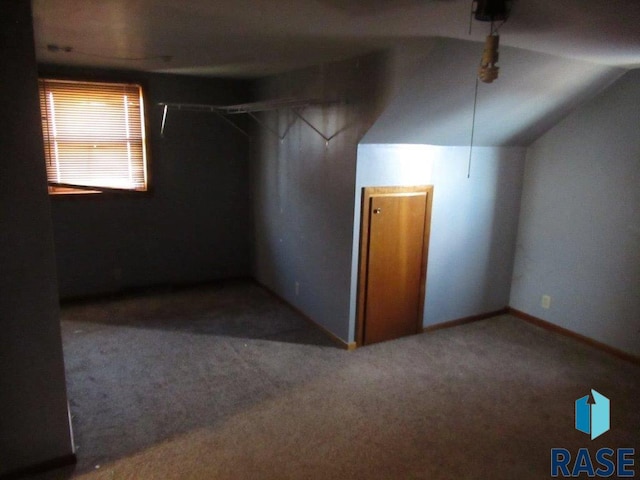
227	382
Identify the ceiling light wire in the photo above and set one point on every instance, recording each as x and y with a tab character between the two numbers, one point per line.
471	16
473	128
488	71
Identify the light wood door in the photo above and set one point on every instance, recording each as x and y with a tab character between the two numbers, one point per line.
394	269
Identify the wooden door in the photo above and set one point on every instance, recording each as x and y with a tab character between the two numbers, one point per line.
395	228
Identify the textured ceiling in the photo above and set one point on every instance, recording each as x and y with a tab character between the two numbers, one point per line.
254	38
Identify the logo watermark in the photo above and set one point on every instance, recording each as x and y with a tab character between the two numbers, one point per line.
593	417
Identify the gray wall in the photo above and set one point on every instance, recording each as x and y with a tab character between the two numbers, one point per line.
473	225
194	225
303	188
579	234
34	423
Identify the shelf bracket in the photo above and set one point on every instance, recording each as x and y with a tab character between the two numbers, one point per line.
270	129
291	104
326	138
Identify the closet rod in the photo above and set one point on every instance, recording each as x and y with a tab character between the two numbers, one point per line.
296	105
252	107
191	107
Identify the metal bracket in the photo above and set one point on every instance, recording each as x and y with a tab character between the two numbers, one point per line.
326	138
269	129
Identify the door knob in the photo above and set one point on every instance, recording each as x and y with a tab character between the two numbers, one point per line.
377	210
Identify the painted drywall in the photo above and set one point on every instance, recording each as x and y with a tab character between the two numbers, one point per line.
34	424
473	224
434	105
303	187
579	232
195	223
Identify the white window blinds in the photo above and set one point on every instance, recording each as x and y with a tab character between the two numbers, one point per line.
94	136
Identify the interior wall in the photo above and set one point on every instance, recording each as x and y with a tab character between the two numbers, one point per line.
303	186
580	221
34	423
193	226
473	224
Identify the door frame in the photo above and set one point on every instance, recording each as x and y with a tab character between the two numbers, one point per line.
367	194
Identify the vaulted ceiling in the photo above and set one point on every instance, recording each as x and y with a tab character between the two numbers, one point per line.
244	38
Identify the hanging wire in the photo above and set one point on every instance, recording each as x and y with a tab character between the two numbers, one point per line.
471	16
473	128
495	30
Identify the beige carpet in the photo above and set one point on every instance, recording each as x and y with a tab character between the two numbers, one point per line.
225	382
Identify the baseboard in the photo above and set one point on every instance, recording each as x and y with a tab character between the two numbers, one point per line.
465	320
349	346
576	336
334	338
152	289
40	468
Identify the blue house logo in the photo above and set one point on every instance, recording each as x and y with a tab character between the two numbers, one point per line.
592	414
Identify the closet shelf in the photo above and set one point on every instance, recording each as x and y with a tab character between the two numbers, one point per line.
295	105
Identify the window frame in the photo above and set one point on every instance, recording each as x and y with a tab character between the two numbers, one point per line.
51	73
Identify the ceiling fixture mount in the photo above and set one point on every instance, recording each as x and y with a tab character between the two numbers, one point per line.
490	11
487	11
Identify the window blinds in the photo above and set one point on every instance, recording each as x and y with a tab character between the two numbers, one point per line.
94	135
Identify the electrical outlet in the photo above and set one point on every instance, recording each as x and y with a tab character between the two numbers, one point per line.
546	301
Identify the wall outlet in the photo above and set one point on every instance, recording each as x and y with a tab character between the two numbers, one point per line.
297	288
546	301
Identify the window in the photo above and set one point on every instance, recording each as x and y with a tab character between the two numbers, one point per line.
94	136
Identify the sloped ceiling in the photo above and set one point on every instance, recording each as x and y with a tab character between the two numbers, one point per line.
253	38
434	103
553	53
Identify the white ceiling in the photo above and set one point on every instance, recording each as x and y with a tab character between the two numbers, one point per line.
245	38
